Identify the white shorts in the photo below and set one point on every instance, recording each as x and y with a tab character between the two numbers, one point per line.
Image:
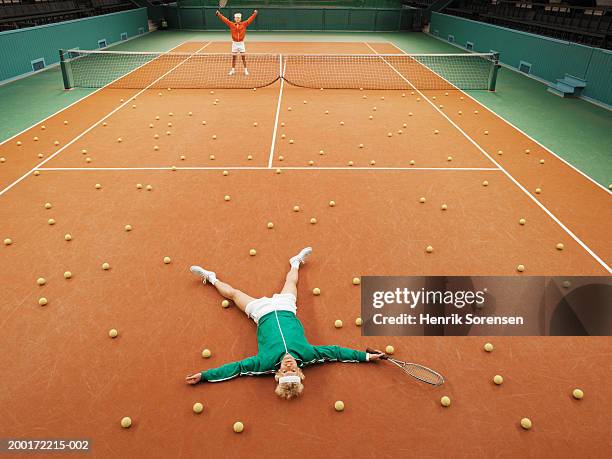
258	308
238	47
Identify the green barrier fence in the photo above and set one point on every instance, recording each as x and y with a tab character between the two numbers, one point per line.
25	50
292	3
296	18
545	58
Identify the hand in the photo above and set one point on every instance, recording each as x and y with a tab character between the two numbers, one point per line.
377	356
194	378
255	11
217	12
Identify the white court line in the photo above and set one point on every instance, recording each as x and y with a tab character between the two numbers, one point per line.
538	203
280	96
82	98
98	122
264	168
521	131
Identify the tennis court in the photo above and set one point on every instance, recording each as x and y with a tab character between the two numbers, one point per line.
199	169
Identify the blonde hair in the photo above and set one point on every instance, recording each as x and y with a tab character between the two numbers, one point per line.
289	390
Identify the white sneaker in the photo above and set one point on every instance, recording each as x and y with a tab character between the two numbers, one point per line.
300	258
246	72
207	276
231	72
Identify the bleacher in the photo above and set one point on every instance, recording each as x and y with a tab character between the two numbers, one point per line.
17	14
587	25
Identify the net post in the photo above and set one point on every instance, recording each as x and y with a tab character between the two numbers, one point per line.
493	73
66	70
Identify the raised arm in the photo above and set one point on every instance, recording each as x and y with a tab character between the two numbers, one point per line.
225	20
248	367
250	19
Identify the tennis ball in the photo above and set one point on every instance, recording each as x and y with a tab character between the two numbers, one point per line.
19	143
498	379
97	186
527	151
429	249
422	200
37	173
206	353
445	401
8	241
577	394
2	160
488	347
296	208
128	228
35	139
321	152
278	171
500	152
51	221
156	148
389	350
249	157
225	173
316	291
522	221
358	321
255	124
389	134
167	260
56	143
485	183
538	190
412	162
560	246
541	161
40	155
444	207
43	301
350	163
311	163
281	157
43	127
486	132
203	123
41	281
450	158
119	140
105	266
372	163
360	145
339	405
198	408
338	323
520	268
126	422
225	304
356	281
112	333
526	423
313	221
238	427
270	225
48	205
252	252
291	141
227	197
67	275
332	203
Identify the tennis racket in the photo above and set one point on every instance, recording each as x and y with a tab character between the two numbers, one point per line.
222	3
424	374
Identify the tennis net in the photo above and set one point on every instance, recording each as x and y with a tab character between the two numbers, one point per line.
137	70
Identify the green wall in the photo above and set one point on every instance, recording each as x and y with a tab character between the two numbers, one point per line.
315	3
291	18
549	58
19	47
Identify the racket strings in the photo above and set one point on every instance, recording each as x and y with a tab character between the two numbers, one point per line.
421	373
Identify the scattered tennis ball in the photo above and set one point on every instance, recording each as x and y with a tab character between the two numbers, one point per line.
450	158
422	200
444	207
313	221
149	187
252	252
35	139
520	268
541	161
41	281
436	131
526	423
270	225
577	394
126	422
8	241
155	147
255	124
203	123
332	203
296	208
227	197
316	291
43	301
412	162
538	190
311	163
485	183
498	379
522	221
560	246
19	143
358	321
339	405
198	408
429	249
37	173
67	275
43	127
212	157
97	186
51	221
119	140
112	333
139	186
167	260
105	266
372	163
87	160
278	171
225	304
486	132
225	173
488	347
238	427
281	157
389	350
445	401
338	323
389	134
128	228
249	157
206	353
350	163
40	155
48	205
360	145
56	143
2	159
566	284
356	281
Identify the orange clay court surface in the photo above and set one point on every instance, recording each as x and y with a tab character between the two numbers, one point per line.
62	376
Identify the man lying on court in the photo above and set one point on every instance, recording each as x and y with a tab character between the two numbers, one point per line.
282	345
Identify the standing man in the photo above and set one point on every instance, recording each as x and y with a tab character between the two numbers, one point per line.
238	31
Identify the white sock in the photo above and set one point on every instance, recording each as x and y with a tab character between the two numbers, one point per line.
295	264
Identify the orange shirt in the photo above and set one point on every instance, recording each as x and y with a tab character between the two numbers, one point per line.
237	29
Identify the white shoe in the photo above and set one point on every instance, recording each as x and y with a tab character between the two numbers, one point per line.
231	72
246	72
207	276
300	258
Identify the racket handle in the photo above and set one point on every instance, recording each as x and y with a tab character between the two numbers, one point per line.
369	350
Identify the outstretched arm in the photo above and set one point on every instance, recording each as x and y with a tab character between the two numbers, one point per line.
247	367
250	19
343	354
225	20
